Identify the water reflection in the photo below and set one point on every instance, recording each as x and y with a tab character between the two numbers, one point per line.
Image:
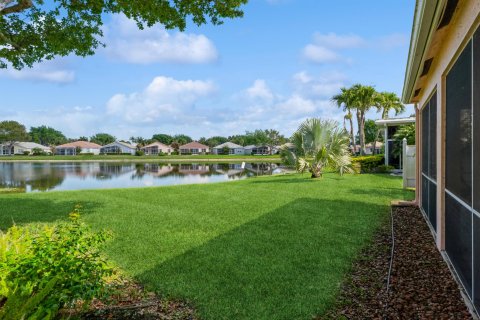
47	176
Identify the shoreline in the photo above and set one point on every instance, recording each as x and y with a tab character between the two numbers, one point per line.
157	160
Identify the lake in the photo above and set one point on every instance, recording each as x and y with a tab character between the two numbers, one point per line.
48	176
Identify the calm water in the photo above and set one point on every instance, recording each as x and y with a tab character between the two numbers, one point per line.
34	176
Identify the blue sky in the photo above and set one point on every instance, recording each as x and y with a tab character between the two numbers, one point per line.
273	68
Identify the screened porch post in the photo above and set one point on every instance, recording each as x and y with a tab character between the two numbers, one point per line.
385	138
441	142
418	171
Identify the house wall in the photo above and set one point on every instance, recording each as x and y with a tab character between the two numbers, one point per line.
123	149
453	224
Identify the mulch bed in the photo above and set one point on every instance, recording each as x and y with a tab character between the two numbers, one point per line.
133	302
421	285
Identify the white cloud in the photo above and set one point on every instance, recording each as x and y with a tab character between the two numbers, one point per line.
322	86
393	41
72	121
125	42
260	90
335	41
324	47
55	71
163	100
319	54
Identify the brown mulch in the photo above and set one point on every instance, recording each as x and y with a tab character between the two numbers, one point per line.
421	285
131	301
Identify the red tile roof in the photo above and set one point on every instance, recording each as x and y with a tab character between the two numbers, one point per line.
81	144
194	145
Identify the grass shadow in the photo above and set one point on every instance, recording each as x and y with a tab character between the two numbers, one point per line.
287	264
19	210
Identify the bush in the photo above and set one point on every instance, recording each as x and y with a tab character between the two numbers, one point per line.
44	269
117	154
139	153
384	169
38	152
367	164
26	153
87	154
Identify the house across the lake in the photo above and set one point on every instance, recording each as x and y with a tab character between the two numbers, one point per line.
194	148
21	148
70	149
119	147
156	148
257	150
443	81
232	149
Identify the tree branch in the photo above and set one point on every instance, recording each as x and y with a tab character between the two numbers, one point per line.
9	41
19	7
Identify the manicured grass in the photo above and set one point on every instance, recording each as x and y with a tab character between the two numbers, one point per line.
263	248
175	158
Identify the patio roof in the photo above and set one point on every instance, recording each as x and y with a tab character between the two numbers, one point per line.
395	121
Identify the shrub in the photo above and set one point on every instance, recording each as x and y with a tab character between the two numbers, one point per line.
87	154
38	152
44	269
139	153
367	164
384	168
26	153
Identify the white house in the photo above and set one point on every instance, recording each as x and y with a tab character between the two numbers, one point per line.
70	149
119	147
232	148
157	148
20	148
257	150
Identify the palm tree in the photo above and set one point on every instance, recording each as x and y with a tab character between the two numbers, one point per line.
363	98
319	144
386	102
344	101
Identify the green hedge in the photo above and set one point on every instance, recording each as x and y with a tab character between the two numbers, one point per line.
368	164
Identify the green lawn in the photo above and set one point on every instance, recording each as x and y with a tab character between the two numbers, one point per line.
179	158
262	248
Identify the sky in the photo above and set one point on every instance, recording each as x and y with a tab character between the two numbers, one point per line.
278	65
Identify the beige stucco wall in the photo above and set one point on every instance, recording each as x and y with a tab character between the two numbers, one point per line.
445	46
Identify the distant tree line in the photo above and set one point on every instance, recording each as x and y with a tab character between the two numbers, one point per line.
11	131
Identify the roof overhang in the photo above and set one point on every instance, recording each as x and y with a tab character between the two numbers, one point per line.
395	121
427	15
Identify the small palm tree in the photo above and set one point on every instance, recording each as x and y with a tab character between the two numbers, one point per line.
345	100
386	102
319	144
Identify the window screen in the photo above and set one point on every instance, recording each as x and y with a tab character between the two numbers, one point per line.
476	121
429	162
432	128
459	125
458	239
476	276
462	196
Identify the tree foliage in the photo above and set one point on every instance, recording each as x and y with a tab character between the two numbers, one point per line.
371	130
35	30
102	138
319	144
11	131
163	138
47	136
182	139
